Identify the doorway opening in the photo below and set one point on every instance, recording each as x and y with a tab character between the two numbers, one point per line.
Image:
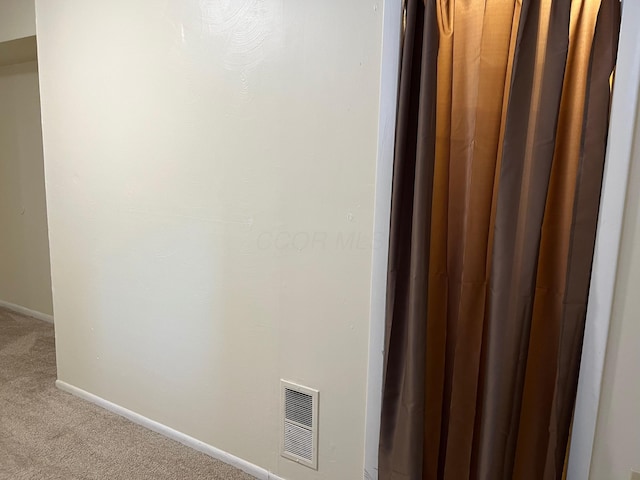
25	275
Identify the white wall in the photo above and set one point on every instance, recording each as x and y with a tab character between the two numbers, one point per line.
17	19
617	443
210	171
25	279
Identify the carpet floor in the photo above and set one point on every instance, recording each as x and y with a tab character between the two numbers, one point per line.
46	434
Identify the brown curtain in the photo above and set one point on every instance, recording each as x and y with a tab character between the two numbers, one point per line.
500	146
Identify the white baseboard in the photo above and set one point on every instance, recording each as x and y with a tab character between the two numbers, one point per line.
258	472
26	311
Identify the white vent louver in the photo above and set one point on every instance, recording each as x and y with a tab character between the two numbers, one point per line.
300	424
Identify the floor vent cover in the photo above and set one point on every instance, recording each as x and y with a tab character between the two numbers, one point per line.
300	424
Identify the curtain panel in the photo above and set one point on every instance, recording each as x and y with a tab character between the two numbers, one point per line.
500	147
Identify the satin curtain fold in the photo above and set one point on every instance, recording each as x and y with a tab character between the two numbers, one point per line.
500	144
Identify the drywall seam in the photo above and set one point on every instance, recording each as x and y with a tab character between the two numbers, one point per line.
601	293
26	311
258	472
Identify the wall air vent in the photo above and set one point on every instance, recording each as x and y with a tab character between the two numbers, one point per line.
299	424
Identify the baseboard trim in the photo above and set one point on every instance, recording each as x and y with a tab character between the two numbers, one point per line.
258	472
26	311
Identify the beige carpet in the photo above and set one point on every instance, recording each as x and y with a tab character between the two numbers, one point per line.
47	434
